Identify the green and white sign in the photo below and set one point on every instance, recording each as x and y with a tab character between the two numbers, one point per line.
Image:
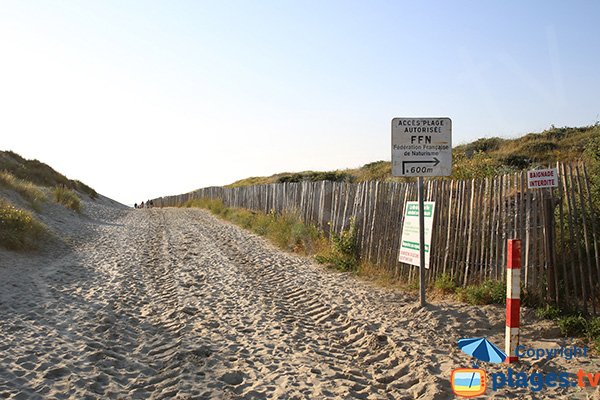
409	244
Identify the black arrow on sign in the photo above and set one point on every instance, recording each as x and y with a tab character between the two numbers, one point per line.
435	162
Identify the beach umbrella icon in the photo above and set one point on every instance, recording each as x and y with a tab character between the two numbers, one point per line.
482	349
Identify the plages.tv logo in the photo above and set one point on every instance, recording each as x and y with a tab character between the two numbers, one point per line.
468	382
472	382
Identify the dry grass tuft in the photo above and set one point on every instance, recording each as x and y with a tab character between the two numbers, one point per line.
30	192
67	198
19	230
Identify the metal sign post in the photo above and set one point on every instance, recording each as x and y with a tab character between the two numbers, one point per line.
421	147
421	243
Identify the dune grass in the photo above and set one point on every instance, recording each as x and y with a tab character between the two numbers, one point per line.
286	231
83	188
445	284
573	324
488	292
481	158
31	170
343	250
67	198
38	173
19	230
29	191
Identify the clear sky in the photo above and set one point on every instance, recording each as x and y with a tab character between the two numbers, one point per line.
140	99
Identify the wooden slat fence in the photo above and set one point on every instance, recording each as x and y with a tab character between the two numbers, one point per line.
473	220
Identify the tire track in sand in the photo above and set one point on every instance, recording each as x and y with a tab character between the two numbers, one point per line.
173	303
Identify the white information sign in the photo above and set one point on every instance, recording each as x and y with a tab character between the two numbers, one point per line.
409	244
421	146
542	178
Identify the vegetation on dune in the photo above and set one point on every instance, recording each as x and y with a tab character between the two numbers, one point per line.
445	284
343	251
592	157
19	230
288	232
375	171
312	176
485	157
83	188
573	324
570	323
30	192
38	173
32	171
295	177
481	158
67	198
488	292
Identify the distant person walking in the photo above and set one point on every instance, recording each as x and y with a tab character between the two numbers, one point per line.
135	205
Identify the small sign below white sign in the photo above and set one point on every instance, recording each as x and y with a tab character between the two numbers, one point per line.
409	244
542	178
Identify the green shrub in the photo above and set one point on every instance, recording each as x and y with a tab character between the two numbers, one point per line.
343	253
572	325
287	231
375	171
306	238
284	230
260	224
67	198
548	312
216	206
445	284
313	176
592	157
412	285
593	328
576	325
539	147
489	292
278	228
482	145
477	165
19	230
244	218
517	161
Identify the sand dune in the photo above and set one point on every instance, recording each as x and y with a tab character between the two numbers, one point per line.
173	303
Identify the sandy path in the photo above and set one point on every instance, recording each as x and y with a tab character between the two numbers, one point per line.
174	303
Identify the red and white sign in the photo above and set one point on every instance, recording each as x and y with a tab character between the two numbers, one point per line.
542	178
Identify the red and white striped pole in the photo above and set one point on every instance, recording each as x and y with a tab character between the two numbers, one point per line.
513	299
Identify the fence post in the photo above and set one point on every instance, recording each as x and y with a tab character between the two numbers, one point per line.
550	250
513	301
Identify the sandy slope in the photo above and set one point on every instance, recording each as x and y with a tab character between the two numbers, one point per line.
174	303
